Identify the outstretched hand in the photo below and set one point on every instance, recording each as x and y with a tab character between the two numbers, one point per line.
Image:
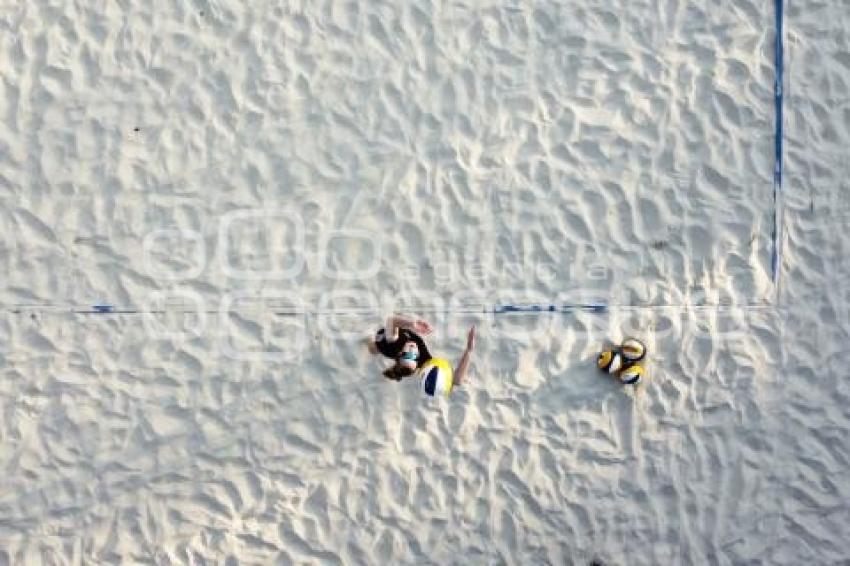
470	339
422	327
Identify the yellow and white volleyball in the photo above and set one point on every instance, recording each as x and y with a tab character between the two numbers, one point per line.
609	361
633	350
436	377
632	374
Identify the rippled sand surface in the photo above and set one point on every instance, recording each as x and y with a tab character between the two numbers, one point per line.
219	162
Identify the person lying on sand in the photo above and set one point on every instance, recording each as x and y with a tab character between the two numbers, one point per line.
400	341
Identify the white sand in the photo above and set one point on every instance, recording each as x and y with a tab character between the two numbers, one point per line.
435	151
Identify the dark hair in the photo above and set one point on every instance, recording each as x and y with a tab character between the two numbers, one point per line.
397	371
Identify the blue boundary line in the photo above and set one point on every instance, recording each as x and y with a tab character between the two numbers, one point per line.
535	308
777	170
483	309
501	308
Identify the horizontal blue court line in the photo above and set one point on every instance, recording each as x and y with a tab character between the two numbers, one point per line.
497	309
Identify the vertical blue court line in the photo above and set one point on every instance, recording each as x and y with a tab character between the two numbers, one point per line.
777	170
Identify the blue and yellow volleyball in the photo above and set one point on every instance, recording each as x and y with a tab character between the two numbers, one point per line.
633	350
437	377
631	374
609	361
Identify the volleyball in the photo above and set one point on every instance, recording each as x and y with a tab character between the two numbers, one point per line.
609	361
631	374
436	377
633	350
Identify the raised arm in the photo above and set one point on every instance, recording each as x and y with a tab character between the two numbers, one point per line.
463	364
